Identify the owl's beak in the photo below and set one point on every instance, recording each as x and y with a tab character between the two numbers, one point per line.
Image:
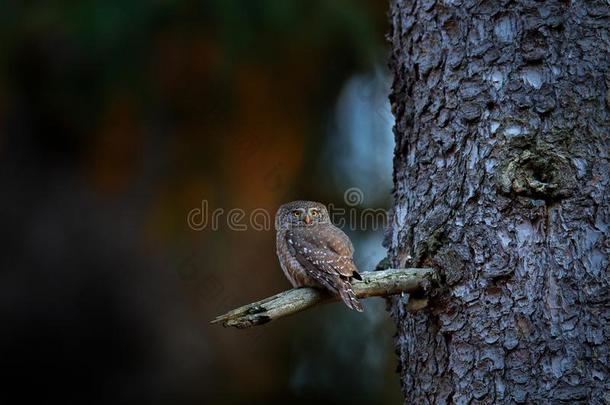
307	219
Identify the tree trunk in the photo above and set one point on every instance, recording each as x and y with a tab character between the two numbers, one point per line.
501	182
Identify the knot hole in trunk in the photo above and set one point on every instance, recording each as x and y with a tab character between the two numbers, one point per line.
537	173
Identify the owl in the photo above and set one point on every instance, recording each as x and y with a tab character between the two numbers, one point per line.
315	253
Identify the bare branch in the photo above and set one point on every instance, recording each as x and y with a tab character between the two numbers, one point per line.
373	284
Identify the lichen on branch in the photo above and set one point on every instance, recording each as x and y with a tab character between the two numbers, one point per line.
373	284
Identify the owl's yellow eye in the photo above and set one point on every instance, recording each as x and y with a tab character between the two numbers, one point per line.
314	213
295	213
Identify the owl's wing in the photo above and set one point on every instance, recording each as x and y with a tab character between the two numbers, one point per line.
319	252
325	249
339	242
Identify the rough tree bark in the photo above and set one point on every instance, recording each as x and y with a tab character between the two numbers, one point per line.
501	182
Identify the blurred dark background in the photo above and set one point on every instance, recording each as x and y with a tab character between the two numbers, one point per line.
119	118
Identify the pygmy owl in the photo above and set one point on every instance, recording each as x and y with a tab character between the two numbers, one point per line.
315	253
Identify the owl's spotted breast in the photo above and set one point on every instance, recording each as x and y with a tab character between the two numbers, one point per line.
294	272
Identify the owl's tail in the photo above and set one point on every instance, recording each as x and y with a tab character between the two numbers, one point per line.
347	295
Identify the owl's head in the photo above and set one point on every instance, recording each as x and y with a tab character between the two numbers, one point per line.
301	214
